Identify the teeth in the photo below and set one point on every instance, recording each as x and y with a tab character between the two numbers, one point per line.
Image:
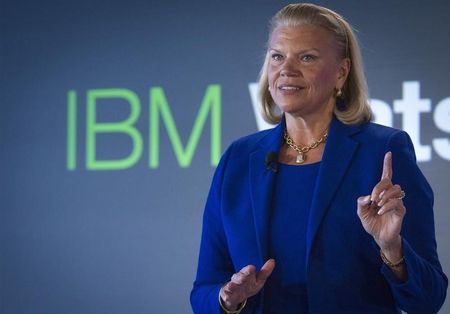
289	88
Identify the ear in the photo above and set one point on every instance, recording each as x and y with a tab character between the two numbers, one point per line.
344	70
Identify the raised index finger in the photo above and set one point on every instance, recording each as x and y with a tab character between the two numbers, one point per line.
387	166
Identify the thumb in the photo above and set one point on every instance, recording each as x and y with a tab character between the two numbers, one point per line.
363	203
363	200
266	270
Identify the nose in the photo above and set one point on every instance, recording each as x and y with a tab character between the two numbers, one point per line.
288	69
288	73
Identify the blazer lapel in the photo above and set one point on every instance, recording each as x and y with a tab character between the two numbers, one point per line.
262	182
337	156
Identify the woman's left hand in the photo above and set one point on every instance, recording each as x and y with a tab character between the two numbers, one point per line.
382	212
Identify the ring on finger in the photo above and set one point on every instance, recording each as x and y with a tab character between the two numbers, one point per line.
402	195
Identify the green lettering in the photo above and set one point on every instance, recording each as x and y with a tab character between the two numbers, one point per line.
159	106
71	161
126	126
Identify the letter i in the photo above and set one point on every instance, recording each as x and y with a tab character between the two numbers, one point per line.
71	161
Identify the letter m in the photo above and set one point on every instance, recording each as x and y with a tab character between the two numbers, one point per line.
160	108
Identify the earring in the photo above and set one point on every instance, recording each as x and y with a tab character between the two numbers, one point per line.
340	101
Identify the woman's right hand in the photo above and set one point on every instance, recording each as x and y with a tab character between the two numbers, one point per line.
245	284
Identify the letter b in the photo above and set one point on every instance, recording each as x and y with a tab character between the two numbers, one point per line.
126	126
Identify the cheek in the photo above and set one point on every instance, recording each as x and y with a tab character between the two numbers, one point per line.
271	75
325	78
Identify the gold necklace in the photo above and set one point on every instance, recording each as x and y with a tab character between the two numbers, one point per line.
302	151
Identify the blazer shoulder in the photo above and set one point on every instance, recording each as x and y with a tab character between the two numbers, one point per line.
377	132
249	143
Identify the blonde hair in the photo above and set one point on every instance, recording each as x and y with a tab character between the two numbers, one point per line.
354	91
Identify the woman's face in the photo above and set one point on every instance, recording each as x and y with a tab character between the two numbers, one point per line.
305	69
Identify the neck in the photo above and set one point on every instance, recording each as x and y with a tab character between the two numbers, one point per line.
304	130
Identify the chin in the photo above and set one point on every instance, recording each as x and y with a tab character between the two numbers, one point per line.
292	108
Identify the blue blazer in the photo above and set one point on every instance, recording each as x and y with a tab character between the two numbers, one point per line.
345	273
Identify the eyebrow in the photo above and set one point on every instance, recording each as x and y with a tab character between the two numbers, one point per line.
300	52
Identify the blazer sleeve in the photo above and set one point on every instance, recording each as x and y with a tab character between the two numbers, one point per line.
214	266
426	285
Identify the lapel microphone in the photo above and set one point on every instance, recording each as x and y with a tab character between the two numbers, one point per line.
272	161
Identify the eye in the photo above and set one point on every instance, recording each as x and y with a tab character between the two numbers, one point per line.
276	57
308	58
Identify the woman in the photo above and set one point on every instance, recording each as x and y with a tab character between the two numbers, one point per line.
305	217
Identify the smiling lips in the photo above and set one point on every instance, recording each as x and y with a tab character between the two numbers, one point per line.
289	87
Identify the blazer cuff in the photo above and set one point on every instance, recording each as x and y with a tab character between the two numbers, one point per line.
409	257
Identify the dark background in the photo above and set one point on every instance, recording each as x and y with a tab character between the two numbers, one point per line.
126	241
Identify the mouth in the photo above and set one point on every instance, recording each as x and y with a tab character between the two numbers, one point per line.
285	87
